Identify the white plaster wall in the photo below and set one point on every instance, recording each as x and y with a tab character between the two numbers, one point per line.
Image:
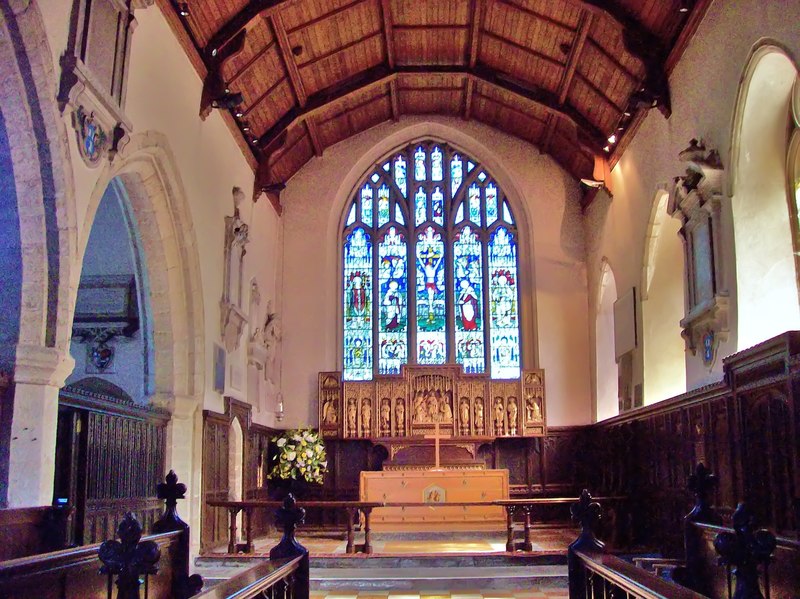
704	87
553	284
163	95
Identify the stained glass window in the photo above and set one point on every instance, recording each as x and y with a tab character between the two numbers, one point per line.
431	305
392	335
357	305
430	271
383	205
503	309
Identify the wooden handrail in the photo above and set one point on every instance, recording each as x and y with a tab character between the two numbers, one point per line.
633	580
254	581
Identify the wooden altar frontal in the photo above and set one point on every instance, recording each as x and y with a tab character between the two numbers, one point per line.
436	488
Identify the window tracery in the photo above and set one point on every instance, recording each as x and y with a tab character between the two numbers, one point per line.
430	267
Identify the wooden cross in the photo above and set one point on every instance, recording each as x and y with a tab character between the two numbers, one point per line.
436	437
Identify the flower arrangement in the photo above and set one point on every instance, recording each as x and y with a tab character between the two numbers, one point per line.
301	456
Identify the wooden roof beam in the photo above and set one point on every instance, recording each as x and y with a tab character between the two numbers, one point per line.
394	100
285	50
388	28
478	10
381	75
239	21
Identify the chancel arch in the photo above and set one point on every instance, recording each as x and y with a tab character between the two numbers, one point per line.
607	369
663	305
766	275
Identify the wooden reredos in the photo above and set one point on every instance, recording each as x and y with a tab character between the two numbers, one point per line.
411	404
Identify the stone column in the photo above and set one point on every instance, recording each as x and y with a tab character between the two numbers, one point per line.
39	374
184	454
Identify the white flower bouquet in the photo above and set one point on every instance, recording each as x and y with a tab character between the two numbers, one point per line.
300	456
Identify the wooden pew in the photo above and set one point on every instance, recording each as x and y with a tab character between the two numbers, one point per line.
77	572
28	531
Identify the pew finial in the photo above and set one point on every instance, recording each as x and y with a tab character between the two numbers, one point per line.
587	513
745	550
128	558
702	484
170	491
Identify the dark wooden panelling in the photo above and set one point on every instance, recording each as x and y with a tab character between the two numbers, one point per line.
255	468
110	453
744	430
30	531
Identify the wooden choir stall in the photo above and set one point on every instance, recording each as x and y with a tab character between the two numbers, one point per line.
432	421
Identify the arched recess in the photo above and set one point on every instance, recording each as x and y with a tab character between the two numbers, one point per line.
147	171
446	134
114	260
766	277
663	300
235	465
607	369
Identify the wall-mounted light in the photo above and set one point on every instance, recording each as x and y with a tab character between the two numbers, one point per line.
279	408
612	139
183	9
683	6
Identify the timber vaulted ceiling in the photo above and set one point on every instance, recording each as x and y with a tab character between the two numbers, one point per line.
298	76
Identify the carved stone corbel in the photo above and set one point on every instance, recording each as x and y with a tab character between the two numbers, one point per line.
696	200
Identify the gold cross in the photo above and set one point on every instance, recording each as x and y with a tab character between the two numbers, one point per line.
436	437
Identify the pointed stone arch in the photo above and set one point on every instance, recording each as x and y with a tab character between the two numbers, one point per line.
606	367
766	295
662	293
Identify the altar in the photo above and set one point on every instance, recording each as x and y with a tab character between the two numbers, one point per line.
436	488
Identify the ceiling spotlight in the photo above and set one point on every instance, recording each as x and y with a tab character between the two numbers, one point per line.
592	183
245	127
183	9
612	139
683	6
228	100
239	114
627	112
607	149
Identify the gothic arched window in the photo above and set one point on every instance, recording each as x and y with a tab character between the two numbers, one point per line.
430	273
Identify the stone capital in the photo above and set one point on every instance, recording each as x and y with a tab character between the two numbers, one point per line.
37	365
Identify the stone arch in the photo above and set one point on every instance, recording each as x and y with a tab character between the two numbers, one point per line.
766	277
606	368
446	133
40	158
147	171
662	304
36	349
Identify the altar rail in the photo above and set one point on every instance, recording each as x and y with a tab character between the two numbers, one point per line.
527	508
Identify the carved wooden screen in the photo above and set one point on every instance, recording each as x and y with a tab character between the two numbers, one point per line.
430	268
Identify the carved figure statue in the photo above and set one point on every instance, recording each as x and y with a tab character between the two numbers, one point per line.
432	402
386	413
272	338
479	415
499	414
352	423
400	417
536	409
329	411
464	416
420	410
366	417
512	415
445	411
